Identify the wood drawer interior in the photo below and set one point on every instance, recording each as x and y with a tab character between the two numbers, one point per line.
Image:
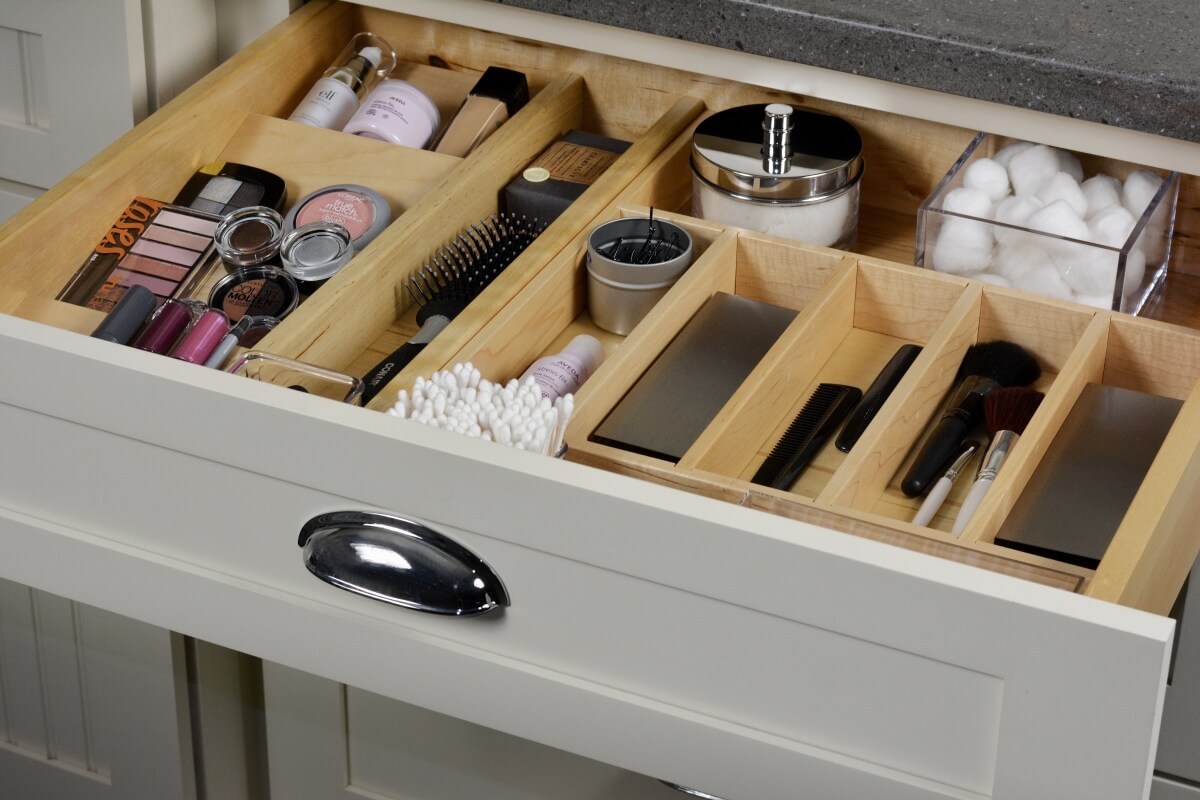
854	311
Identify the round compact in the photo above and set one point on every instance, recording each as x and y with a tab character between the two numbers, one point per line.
780	170
257	291
249	236
314	252
361	211
256	329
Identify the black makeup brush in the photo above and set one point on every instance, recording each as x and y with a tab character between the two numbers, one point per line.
1006	414
985	367
453	277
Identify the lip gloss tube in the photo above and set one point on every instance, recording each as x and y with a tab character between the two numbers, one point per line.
164	329
203	338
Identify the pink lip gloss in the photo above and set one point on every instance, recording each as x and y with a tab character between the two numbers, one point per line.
165	327
203	338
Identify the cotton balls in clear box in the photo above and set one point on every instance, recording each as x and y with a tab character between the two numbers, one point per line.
1041	188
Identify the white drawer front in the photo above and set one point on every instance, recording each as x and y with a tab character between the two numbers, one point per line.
665	633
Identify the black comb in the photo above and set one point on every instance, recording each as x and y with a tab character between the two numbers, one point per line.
879	391
453	277
816	422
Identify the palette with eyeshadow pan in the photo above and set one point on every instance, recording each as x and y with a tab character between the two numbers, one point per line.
153	244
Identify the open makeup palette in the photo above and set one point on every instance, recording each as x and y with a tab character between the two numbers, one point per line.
617	538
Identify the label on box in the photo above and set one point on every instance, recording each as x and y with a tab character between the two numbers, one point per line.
574	163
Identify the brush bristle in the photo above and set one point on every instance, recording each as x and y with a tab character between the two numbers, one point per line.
1005	362
467	265
1010	409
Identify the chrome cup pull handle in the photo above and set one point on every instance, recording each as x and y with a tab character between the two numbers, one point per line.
400	561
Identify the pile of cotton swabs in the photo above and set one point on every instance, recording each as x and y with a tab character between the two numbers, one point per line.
514	414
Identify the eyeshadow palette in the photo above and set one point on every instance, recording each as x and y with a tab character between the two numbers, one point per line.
153	244
222	187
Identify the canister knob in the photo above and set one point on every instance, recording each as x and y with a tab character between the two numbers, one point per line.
777	139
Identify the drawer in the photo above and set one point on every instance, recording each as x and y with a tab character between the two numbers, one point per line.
671	633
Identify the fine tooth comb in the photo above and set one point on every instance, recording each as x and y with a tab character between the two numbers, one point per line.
873	399
824	411
453	277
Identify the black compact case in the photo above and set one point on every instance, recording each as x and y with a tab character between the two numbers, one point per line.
224	186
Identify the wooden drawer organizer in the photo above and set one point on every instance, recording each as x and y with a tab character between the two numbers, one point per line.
854	307
854	312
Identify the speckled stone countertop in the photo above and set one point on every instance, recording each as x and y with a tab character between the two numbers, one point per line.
1132	64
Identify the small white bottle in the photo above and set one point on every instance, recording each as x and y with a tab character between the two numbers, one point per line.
565	372
332	101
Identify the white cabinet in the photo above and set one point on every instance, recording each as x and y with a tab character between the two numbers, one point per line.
659	632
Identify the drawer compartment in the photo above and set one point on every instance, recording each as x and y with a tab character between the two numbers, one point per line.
236	114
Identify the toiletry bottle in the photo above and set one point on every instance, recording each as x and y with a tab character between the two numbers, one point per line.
396	111
334	98
565	372
497	95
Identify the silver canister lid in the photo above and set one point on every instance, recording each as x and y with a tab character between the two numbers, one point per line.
774	153
315	251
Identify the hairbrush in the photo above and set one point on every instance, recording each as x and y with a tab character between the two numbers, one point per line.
823	412
879	391
985	367
452	278
1006	413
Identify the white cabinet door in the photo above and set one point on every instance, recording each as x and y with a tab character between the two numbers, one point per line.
92	705
72	73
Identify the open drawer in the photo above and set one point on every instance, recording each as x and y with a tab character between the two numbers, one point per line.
747	654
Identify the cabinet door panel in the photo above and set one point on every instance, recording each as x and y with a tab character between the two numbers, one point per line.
664	633
89	703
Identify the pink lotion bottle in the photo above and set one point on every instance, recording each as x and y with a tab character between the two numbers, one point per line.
565	372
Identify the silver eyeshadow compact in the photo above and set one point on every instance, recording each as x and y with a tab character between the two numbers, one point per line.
313	253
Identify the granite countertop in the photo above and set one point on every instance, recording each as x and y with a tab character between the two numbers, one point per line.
1132	64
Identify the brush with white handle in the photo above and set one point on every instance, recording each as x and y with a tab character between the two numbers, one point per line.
941	488
1006	413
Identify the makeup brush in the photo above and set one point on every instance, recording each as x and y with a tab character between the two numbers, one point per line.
1006	413
453	277
985	367
941	490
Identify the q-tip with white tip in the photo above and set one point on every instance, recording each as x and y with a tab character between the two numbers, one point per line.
515	414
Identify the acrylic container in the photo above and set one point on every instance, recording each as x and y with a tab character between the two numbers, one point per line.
1119	275
298	376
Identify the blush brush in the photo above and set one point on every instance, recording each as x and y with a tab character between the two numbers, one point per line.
1006	412
986	367
451	279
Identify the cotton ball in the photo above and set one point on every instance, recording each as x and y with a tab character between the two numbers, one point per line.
1014	210
1005	154
991	277
963	246
1111	227
1068	163
1058	219
1088	270
988	177
1045	280
1101	192
1031	169
1139	190
1016	257
1095	300
1064	187
968	202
